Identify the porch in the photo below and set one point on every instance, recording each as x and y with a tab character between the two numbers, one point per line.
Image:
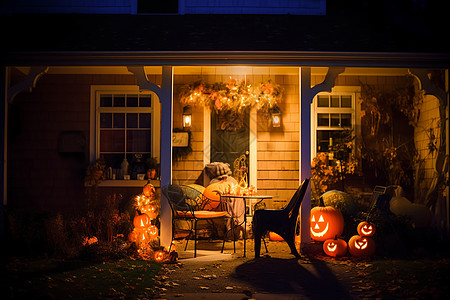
278	156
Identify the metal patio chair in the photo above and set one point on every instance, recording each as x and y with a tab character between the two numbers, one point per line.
281	221
189	204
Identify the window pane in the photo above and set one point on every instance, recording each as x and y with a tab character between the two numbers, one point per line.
119	121
145	101
119	100
323	140
132	120
112	140
138	141
113	160
322	101
335	120
145	120
334	101
105	100
323	120
132	101
346	120
105	120
346	101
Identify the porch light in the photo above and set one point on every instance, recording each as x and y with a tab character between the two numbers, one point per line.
275	115
187	117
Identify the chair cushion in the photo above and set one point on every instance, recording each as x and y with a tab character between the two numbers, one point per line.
202	214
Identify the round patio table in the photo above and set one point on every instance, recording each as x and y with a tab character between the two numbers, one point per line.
235	214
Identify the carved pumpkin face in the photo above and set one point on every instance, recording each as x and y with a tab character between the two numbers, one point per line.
326	223
149	210
160	255
141	221
361	246
366	229
335	247
153	231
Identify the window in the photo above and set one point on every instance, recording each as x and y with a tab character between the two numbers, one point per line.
333	119
124	126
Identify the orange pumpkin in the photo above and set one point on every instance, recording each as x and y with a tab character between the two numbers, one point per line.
149	210
132	236
213	191
160	255
361	246
326	222
275	237
366	229
141	221
153	231
148	190
335	247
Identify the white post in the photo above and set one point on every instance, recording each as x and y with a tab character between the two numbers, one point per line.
166	94
305	151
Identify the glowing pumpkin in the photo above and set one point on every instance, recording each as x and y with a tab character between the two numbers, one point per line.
275	237
160	255
335	247
361	246
149	190
366	229
149	210
153	231
141	221
326	222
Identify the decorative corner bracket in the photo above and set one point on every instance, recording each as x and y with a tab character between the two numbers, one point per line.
328	83
142	80
427	85
28	83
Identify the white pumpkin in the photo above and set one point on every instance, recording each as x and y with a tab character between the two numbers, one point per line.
419	214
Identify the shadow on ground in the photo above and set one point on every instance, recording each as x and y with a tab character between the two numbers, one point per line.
313	279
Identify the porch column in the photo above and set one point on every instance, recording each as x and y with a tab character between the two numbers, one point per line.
165	95
166	152
307	94
305	151
3	148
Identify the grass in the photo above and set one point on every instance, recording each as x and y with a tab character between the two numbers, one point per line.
415	279
59	279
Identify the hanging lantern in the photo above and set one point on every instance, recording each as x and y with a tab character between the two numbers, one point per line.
187	117
275	115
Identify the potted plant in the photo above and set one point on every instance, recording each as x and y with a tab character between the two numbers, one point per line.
152	166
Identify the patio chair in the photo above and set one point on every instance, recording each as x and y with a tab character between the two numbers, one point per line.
281	221
189	204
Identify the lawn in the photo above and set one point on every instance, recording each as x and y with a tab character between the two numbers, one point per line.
61	279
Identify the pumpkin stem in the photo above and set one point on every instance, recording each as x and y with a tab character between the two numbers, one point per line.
321	204
335	237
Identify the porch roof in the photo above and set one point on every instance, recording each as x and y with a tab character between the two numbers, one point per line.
343	32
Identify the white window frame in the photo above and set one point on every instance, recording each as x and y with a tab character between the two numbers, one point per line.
155	110
355	93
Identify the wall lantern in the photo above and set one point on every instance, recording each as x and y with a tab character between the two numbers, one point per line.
275	115
187	117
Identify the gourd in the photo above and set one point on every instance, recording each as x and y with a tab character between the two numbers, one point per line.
366	229
361	246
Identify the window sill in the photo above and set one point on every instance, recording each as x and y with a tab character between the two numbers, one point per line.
127	183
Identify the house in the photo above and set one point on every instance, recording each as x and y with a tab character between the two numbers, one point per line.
86	81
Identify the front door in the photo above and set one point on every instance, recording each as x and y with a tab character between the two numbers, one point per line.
229	138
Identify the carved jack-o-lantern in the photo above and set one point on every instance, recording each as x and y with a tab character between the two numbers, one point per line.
141	221
149	210
326	222
366	229
160	255
153	231
335	247
361	246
